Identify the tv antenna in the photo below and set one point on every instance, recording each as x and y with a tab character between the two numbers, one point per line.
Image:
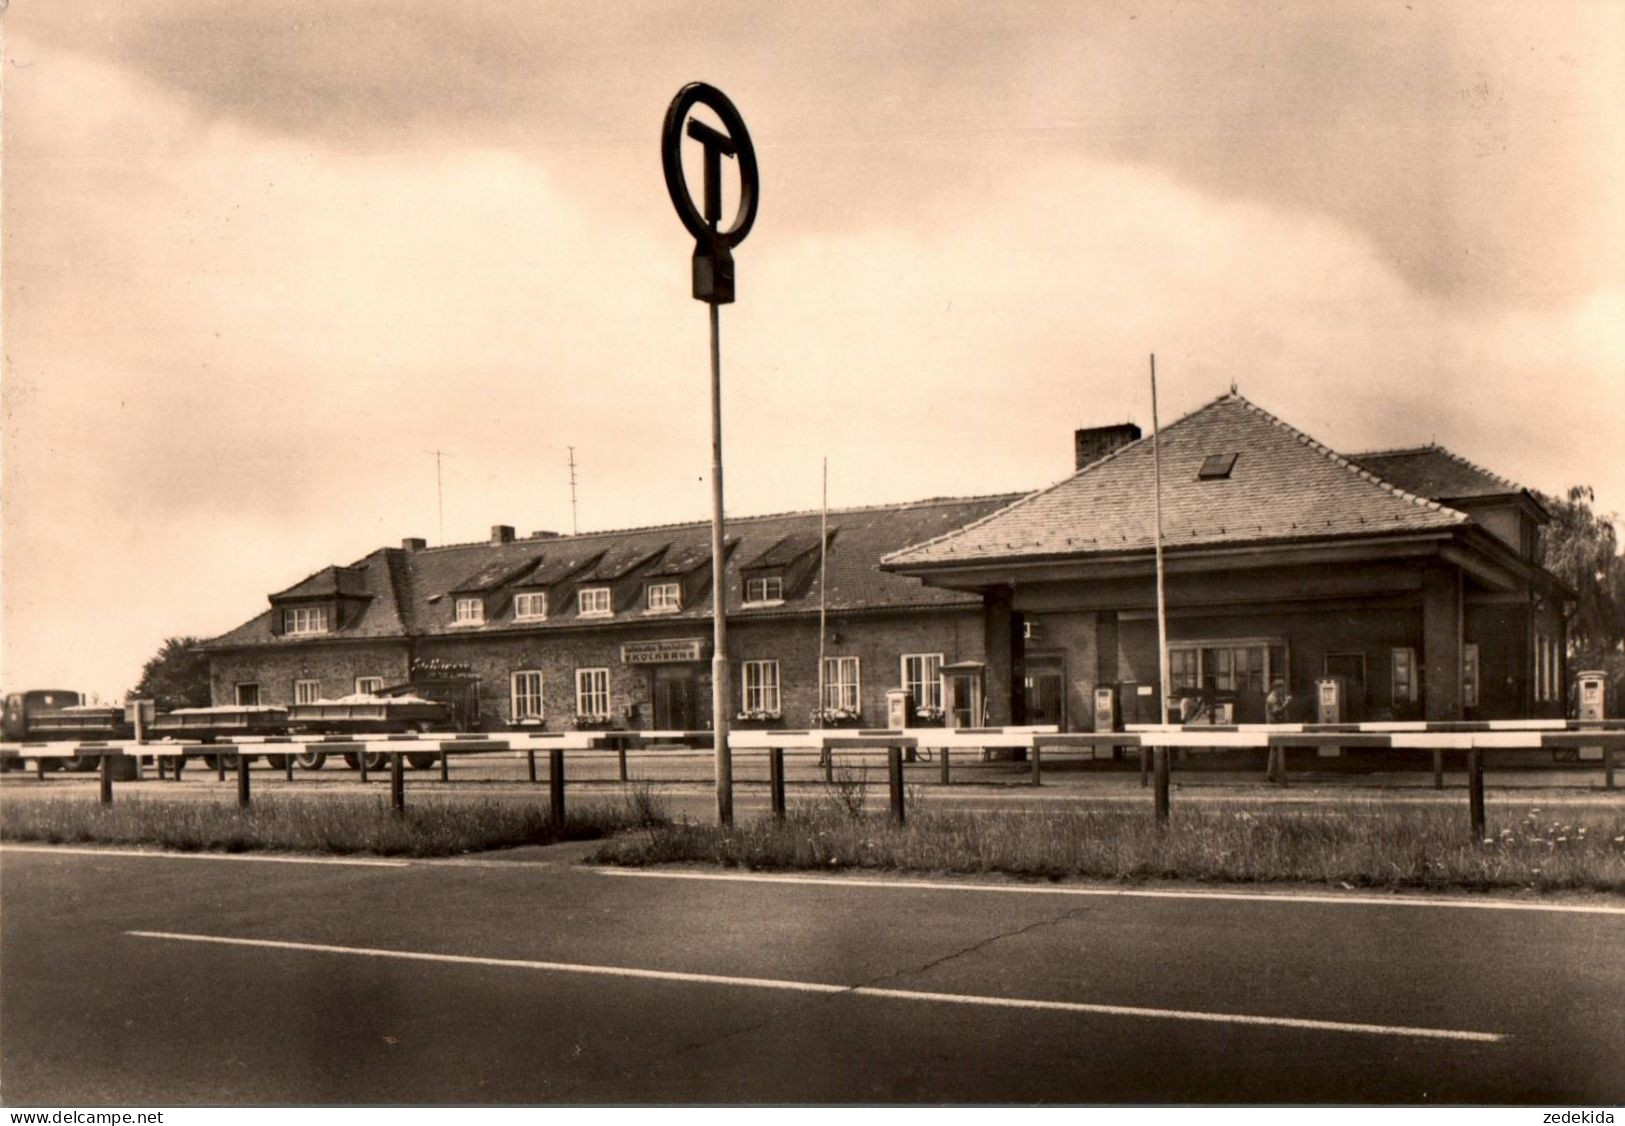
573	530
439	492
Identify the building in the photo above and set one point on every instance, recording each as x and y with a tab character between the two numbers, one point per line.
615	627
1411	575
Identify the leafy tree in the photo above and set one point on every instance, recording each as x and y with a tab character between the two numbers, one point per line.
1582	548
177	676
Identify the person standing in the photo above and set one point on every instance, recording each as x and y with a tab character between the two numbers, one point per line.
1277	709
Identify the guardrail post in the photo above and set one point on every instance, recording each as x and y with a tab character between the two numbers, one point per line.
1280	765
943	751
180	765
1038	763
1608	768
1146	755
445	766
397	783
362	759
828	756
1438	770
106	768
620	754
530	764
242	779
1475	792
775	779
1159	758
39	768
555	783
287	768
219	768
894	775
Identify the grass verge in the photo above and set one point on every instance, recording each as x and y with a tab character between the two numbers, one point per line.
324	824
1352	845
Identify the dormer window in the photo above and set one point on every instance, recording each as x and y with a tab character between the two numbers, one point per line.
593	602
530	607
470	612
663	598
298	620
764	590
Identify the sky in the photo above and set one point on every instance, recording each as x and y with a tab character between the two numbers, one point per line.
260	261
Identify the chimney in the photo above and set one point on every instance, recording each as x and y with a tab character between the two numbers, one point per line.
501	533
412	543
1095	442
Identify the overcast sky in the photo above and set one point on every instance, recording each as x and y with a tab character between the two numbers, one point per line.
260	259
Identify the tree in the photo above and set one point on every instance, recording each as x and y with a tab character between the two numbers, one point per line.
1582	548
177	676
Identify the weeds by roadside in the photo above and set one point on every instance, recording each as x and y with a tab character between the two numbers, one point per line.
325	824
1355	845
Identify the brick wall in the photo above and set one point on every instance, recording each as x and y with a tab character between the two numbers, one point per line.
334	667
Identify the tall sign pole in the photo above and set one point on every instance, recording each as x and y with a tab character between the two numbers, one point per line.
713	280
1159	755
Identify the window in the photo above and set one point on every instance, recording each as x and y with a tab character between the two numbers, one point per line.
369	685
663	598
1469	675
307	691
1405	678
470	612
527	695
530	607
593	602
1547	669
764	588
841	683
592	693
922	679
762	687
248	695
1216	467
1227	666
304	619
1184	669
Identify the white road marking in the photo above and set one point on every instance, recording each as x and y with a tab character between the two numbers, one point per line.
257	857
856	991
1286	898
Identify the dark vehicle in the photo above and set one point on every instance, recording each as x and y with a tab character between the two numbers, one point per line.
43	714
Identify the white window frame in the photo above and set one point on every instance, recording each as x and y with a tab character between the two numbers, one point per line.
532	599
1267	644
766	694
663	598
1408	690
592	693
594	611
929	694
468	612
519	689
368	685
843	687
307	691
769	582
301	621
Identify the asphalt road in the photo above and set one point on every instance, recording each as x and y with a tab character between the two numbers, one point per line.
528	978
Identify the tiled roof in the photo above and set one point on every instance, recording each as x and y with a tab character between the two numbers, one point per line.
417	581
784	551
498	572
622	559
375	578
1434	472
327	583
1284	486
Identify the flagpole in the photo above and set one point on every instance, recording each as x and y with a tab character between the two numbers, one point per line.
823	559
1159	755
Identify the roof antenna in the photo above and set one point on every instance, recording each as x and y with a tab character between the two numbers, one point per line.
1233	390
573	530
439	493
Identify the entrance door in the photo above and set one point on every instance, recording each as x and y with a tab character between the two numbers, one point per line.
1046	691
964	687
675	700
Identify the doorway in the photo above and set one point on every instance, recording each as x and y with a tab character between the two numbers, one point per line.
1046	691
676	701
1351	667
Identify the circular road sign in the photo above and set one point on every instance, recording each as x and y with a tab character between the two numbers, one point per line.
734	143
